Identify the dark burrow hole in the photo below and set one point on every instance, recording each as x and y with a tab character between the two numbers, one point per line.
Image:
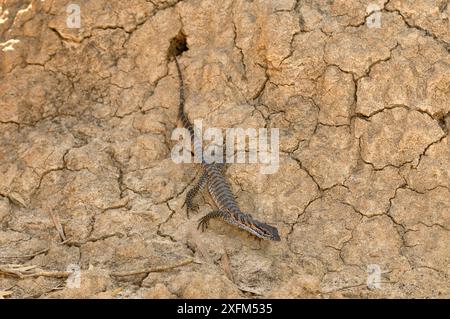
444	121
178	45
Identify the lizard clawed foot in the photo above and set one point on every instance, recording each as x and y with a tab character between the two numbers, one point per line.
203	223
188	202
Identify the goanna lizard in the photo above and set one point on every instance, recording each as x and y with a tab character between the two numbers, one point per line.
218	186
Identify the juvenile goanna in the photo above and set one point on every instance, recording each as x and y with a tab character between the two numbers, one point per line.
218	186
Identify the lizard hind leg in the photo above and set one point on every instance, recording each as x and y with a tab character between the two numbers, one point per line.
203	222
190	195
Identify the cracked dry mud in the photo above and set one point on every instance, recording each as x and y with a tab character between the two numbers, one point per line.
86	177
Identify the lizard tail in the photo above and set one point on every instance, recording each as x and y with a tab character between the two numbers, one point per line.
181	114
197	151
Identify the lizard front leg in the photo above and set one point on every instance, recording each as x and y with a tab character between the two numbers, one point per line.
193	192
203	222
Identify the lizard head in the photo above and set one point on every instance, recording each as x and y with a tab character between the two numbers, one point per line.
253	226
265	231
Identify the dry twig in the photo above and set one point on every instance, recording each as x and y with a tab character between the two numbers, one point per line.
149	270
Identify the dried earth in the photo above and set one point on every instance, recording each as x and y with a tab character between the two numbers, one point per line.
87	181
